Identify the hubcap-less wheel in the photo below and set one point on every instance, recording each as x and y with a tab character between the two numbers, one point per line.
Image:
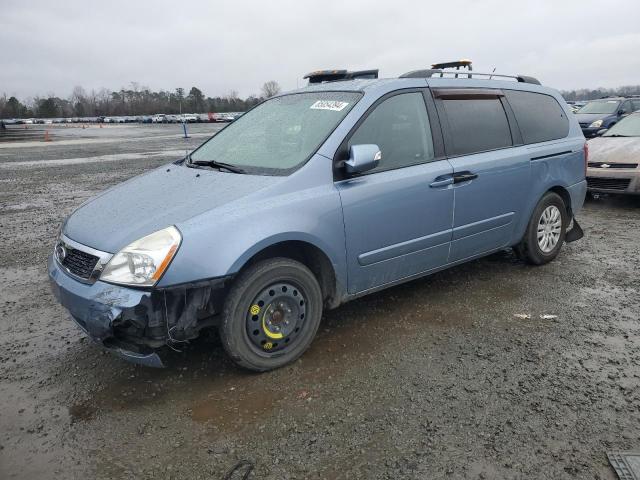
549	228
276	317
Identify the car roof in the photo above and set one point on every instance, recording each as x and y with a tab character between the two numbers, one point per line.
380	85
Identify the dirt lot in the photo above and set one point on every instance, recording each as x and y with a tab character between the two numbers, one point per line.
437	378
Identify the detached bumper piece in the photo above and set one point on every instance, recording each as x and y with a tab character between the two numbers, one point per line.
134	323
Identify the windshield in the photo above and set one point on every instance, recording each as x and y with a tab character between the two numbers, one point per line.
600	106
280	134
627	127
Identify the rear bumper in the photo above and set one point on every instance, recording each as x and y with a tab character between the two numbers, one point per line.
577	192
134	323
618	181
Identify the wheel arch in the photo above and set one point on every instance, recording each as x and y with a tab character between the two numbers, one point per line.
305	252
524	222
564	194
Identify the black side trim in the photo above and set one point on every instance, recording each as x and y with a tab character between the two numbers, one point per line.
551	155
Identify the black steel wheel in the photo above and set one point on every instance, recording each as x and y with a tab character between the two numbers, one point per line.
271	314
276	316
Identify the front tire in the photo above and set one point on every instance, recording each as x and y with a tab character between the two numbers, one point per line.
271	314
546	231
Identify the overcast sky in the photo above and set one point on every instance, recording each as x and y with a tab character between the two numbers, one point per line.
223	45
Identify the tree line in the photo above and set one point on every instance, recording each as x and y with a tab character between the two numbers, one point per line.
139	100
135	100
592	94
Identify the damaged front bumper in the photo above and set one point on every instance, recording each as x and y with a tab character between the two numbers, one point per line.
134	323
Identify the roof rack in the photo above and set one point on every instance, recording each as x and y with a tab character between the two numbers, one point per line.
321	76
457	65
436	72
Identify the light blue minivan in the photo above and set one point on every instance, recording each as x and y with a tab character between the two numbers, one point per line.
318	196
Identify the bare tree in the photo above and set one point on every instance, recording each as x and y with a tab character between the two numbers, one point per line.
270	89
232	95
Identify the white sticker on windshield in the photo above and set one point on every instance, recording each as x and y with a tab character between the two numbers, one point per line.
329	105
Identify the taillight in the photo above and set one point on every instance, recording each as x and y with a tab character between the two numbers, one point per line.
586	157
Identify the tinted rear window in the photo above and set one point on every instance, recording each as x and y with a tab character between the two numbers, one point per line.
540	117
477	125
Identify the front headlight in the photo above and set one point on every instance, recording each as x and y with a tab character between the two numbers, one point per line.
596	124
143	262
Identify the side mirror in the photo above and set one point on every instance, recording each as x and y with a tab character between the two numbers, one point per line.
362	158
602	131
620	112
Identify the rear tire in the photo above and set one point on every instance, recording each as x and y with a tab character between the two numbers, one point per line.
271	314
546	231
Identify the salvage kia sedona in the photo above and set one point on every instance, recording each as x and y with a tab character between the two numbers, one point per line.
347	186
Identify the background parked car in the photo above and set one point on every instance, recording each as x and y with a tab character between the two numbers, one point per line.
189	118
614	159
604	113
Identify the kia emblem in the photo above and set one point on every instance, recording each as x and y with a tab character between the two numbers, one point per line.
61	252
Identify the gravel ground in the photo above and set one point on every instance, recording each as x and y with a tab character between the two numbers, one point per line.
443	377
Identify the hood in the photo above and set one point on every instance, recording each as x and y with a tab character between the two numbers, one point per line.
592	117
156	200
614	150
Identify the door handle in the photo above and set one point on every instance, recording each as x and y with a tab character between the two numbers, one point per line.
464	177
441	182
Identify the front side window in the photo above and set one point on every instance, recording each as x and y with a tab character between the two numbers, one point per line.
477	125
279	135
626	108
539	116
399	126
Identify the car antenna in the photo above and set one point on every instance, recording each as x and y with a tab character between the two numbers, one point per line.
492	71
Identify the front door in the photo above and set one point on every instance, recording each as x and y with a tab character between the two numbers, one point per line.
398	217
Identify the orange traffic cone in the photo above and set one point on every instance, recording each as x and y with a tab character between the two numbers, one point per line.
46	136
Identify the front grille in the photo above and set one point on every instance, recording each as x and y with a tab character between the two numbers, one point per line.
612	165
608	183
79	263
584	125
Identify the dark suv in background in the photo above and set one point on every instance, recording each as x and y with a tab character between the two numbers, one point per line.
604	113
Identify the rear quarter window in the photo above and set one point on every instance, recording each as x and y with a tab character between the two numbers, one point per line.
539	116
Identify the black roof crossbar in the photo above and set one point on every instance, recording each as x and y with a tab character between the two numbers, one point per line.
321	76
434	72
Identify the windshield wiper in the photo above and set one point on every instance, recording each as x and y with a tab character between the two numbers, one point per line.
214	164
616	135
